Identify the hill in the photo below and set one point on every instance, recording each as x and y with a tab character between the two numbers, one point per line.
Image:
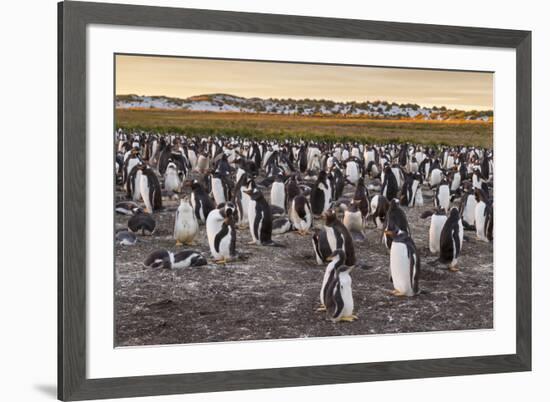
220	103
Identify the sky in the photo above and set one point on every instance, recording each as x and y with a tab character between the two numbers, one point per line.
185	77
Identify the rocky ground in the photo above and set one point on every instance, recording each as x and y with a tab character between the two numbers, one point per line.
274	292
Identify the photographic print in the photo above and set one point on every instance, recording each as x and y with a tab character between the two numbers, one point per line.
260	200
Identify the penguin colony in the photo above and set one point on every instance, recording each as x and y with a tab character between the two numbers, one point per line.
269	188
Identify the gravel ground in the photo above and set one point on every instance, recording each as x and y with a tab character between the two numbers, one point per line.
274	292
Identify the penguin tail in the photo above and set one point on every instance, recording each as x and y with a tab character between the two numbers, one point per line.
364	266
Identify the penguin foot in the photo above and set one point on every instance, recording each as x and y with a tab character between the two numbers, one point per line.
178	243
398	293
350	318
252	242
454	269
222	261
303	232
322	307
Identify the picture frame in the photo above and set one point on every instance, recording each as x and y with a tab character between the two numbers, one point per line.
73	19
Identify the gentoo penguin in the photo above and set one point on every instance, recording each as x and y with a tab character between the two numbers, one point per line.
468	209
338	236
169	260
221	234
300	214
451	240
456	179
278	192
338	181
352	171
200	201
321	194
336	260
404	264
150	190
321	246
379	207
395	220
292	189
186	225
483	216
202	163
442	195
142	221
172	181
389	184
260	218
361	197
281	225
126	208
436	176
221	187
411	194
133	182
339	298
125	238
438	219
353	221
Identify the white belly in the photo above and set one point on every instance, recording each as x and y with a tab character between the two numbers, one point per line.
245	200
353	221
172	181
346	293
469	213
328	198
400	268
435	177
278	195
480	220
186	226
144	189
252	218
217	191
456	182
444	197
137	186
436	226
351	173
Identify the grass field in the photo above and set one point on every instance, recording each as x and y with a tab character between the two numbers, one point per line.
320	128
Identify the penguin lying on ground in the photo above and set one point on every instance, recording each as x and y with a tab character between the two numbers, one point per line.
126	208
126	238
169	260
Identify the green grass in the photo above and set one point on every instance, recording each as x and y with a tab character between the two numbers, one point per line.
262	126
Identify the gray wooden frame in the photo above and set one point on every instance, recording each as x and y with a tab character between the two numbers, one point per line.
73	17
